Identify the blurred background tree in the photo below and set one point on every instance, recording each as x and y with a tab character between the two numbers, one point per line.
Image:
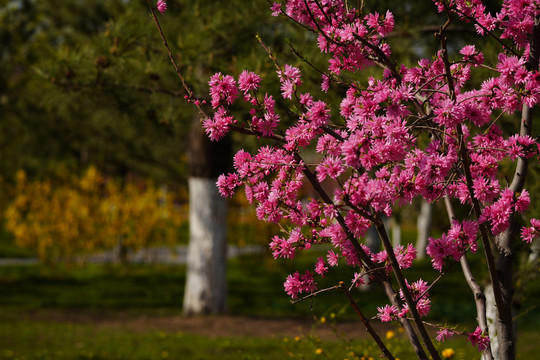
88	83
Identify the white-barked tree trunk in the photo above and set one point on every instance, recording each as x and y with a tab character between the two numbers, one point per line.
206	283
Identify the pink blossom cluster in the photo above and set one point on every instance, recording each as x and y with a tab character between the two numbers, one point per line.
420	131
532	232
299	283
460	238
420	295
224	92
161	6
479	339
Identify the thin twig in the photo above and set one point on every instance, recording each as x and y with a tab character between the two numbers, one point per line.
188	90
366	323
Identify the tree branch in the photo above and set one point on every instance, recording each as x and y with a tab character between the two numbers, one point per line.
479	297
188	90
404	288
366	323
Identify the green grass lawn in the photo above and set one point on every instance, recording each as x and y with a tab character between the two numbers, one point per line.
255	289
22	339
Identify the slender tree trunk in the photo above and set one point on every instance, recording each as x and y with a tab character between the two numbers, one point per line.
424	228
534	256
491	316
206	285
395	229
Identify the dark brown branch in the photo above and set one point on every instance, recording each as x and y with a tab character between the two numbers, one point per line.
185	86
366	323
315	293
479	297
404	288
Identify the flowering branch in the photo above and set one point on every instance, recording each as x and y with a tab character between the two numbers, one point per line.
404	288
413	132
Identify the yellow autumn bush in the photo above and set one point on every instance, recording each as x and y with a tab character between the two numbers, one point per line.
90	213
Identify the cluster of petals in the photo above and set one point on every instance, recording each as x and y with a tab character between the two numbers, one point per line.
161	6
498	214
297	283
290	80
528	234
419	293
452	245
444	334
223	90
217	127
404	256
479	339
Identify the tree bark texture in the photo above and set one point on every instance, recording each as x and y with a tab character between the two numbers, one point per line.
206	283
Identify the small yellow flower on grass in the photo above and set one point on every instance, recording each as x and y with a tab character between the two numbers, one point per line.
448	353
319	351
390	334
323	320
297	338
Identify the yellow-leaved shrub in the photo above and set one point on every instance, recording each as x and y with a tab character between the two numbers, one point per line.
83	215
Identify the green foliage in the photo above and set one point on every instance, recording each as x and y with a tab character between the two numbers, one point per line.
89	82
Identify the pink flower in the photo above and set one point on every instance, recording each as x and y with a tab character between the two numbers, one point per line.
223	90
227	184
296	284
499	213
528	234
479	339
485	190
387	313
276	9
443	334
161	6
419	293
320	267
290	79
325	84
470	53
282	248
329	167
248	81
405	256
333	259
318	114
218	127
358	279
523	201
